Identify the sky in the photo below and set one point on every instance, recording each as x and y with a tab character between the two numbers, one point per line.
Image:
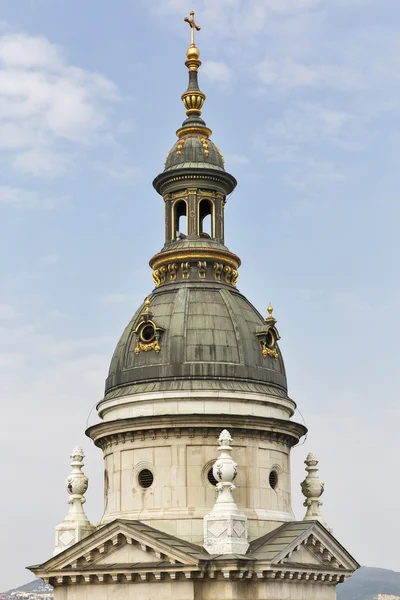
303	100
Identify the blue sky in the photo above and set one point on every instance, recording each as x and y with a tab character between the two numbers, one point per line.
303	100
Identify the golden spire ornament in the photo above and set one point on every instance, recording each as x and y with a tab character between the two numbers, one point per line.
193	98
147	314
192	52
270	318
193	26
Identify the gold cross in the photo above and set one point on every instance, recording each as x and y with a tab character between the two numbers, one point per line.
193	26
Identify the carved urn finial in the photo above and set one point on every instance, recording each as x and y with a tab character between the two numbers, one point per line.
76	525
225	528
77	482
312	488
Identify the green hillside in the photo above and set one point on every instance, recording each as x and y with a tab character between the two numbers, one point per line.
367	582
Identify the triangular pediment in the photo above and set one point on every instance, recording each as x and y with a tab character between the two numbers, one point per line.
303	556
305	543
123	542
127	554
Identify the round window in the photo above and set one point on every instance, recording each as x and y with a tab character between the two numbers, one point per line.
147	333
270	340
273	479
211	478
145	478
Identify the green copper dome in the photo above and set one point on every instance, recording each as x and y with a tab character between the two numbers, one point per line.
194	152
208	341
196	332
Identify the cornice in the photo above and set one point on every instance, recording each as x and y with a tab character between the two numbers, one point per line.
196	175
170	426
237	569
193	254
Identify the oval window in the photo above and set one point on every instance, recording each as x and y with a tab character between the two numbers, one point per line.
273	479
211	478
145	478
147	333
270	339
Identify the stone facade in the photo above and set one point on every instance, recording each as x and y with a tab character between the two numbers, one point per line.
196	359
181	493
204	590
128	559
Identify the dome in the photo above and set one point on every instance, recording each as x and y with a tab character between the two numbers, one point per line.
208	340
194	152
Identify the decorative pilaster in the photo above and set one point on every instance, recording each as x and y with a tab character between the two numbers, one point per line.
312	488
76	525
225	528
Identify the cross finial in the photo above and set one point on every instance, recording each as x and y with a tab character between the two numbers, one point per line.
193	26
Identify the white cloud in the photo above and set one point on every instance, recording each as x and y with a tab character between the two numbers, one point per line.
51	258
302	170
50	385
308	122
10	361
41	162
217	72
7	312
119	172
58	314
45	104
234	18
26	198
237	159
21	51
127	126
114	298
11	195
287	73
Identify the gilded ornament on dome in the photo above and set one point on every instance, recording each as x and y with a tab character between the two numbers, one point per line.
217	270
172	269
185	270
269	351
228	274
204	143
156	277
202	265
147	332
180	146
235	277
220	153
163	274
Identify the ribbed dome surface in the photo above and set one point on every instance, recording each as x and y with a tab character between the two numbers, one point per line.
194	153
209	342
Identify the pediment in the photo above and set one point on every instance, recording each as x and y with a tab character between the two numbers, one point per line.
302	556
305	543
124	542
128	553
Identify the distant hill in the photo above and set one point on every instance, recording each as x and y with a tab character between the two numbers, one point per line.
32	586
34	590
367	583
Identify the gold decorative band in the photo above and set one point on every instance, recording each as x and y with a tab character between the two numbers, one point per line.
203	270
171	256
194	130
